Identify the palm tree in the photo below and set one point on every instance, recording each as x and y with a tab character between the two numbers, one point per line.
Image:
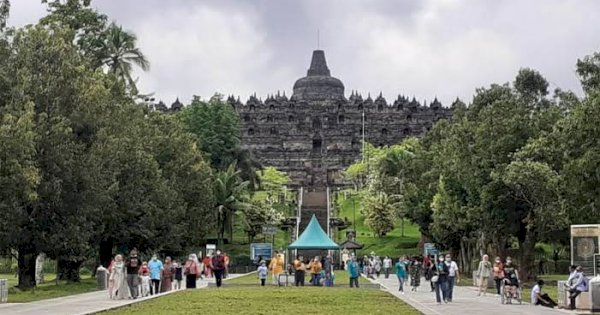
120	54
231	195
248	166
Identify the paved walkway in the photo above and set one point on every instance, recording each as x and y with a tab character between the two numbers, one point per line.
465	301
81	304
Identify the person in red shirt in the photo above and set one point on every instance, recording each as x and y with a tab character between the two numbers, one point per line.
207	268
226	265
218	267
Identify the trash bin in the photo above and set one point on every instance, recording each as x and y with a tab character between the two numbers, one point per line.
101	278
594	290
3	290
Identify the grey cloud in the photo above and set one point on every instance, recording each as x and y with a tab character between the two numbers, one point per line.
428	48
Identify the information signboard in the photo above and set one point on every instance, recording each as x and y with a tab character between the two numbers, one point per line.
269	230
430	249
262	250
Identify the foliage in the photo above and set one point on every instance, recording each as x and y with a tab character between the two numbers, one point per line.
273	181
231	196
379	215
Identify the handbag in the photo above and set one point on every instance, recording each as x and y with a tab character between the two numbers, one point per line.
434	279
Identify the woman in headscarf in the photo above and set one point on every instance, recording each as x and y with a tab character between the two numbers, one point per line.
118	279
192	271
167	275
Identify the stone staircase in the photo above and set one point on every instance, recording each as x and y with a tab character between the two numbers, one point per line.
313	202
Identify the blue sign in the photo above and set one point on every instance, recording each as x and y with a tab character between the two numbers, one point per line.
429	249
264	250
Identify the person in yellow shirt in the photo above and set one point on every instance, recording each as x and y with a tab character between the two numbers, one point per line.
276	267
315	268
300	271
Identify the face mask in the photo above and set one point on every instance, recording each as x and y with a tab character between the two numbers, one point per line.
441	259
153	258
508	262
218	253
448	259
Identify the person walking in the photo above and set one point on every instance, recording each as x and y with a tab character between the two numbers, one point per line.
167	273
353	271
207	269
401	274
453	276
156	267
415	274
118	279
262	271
299	271
217	265
498	270
192	271
276	267
315	268
387	266
328	271
226	271
178	276
483	274
440	280
133	267
377	266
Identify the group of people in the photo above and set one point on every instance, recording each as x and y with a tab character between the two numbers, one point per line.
132	278
372	266
320	270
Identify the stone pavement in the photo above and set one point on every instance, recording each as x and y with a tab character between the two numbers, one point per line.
81	304
465	301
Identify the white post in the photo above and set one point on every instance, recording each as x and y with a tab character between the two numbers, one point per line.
298	216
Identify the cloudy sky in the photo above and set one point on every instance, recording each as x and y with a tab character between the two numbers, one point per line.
425	48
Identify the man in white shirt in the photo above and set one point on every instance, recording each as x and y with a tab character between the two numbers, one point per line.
539	298
453	275
577	283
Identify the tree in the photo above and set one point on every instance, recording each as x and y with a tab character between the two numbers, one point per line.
231	195
4	13
588	70
119	54
379	214
216	126
273	181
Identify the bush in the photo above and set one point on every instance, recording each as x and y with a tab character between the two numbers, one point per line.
407	244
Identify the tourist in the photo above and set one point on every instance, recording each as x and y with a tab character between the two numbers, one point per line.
192	271
299	271
226	272
377	266
217	264
315	268
262	273
415	274
156	267
276	267
178	274
432	261
511	277
167	275
328	270
401	274
365	265
207	269
145	280
427	267
118	279
133	268
453	276
539	298
387	266
353	271
483	274
498	274
579	283
440	280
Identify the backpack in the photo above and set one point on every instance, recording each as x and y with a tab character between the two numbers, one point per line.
585	283
218	263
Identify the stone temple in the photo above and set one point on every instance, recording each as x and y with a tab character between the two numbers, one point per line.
317	133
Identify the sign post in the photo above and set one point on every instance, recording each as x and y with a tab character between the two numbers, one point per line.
262	250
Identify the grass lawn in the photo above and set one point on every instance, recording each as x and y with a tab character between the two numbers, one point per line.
47	290
268	300
393	244
341	279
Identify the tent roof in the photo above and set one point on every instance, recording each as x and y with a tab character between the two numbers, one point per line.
313	237
350	244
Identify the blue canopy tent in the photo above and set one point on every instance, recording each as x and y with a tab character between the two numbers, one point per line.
314	237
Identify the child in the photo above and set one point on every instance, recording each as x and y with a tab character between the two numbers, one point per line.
262	273
145	283
178	274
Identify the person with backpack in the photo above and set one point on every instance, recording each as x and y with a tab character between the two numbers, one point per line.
579	284
218	267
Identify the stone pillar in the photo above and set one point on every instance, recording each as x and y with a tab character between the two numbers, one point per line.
585	240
